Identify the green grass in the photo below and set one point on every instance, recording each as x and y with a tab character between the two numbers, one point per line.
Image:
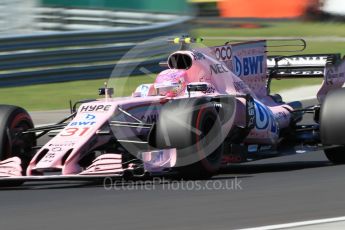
280	29
312	47
279	85
57	95
291	29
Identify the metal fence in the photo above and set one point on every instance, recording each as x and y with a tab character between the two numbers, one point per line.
89	54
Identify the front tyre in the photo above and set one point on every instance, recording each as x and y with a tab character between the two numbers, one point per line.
193	127
13	121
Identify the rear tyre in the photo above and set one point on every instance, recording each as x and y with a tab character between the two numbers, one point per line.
192	127
336	155
332	118
13	121
332	125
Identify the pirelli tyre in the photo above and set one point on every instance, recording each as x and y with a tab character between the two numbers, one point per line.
332	126
193	127
14	120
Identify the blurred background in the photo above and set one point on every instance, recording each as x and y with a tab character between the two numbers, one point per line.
52	51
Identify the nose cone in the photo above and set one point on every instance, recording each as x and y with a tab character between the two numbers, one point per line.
52	158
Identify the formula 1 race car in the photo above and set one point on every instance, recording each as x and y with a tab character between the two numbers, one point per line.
210	108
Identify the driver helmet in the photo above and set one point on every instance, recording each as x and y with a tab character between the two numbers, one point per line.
171	83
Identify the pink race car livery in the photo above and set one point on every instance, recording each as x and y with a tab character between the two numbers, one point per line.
210	108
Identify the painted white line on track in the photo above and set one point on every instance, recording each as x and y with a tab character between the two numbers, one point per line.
297	224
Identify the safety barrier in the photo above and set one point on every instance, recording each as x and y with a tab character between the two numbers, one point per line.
86	54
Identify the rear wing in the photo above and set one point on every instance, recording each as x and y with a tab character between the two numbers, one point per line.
330	67
300	66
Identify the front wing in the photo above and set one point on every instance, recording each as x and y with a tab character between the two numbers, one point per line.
105	166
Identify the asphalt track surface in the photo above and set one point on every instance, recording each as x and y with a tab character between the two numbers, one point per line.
273	191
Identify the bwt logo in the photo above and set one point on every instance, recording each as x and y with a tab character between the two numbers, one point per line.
264	117
82	123
249	65
90	117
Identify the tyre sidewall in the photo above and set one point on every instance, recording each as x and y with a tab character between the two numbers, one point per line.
10	118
